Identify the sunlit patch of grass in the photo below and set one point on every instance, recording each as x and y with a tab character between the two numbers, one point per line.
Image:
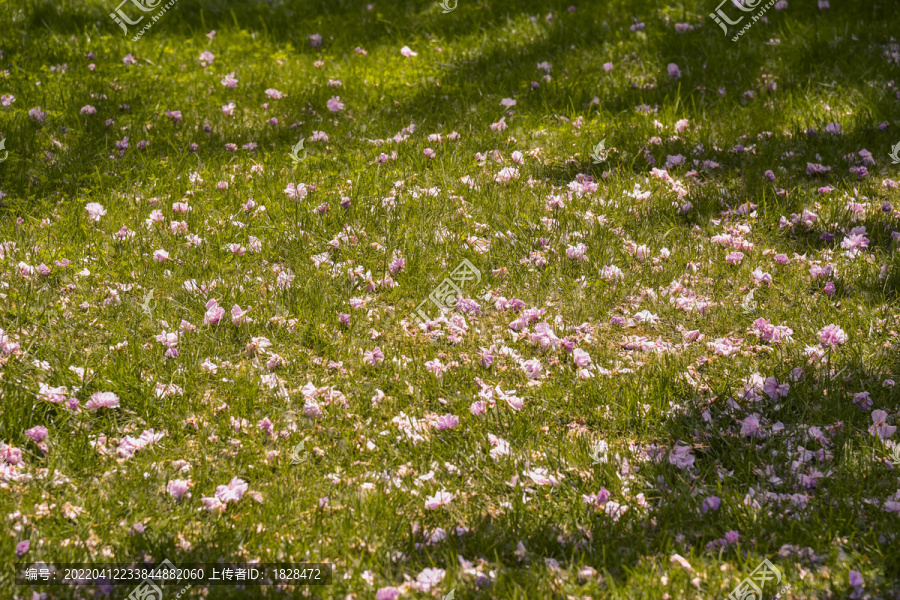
359	499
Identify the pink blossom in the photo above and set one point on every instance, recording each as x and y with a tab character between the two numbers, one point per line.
832	336
213	504
506	174
510	398
214	313
544	336
102	400
407	52
95	210
816	271
674	71
238	314
179	487
774	334
296	191
681	456
581	358
577	252
37	114
265	425
673	161
232	492
611	272
750	426
855	242
532	368
500	447
334	104
880	427
448	421
56	395
860	172
373	356
540	476
774	390
816	169
429	578
10	455
387	593
710	503
692	335
855	578
37	433
760	277
439	500
129	444
436	367
229	81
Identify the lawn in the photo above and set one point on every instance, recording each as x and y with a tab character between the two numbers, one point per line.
503	300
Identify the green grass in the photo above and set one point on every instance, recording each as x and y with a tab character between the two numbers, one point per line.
829	66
